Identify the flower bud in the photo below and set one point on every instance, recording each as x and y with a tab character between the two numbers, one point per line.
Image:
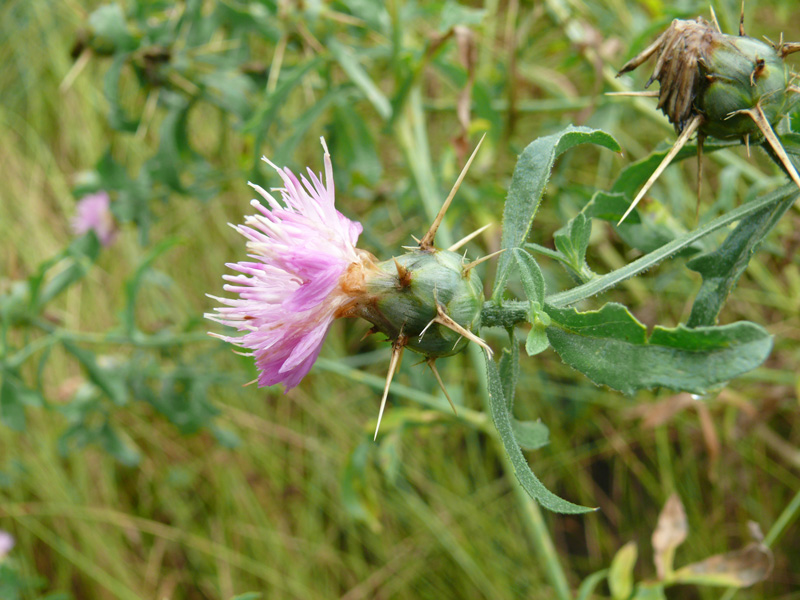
703	72
407	296
741	73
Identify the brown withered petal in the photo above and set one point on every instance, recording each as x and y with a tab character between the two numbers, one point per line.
679	51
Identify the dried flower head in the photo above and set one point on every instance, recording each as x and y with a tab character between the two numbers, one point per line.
93	213
714	84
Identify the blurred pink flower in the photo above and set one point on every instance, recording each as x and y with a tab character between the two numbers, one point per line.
300	281
6	543
94	214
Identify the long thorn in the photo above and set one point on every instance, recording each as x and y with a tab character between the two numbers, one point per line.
687	132
397	351
758	117
714	18
645	94
426	243
741	21
432	364
469	238
790	48
793	88
443	319
475	263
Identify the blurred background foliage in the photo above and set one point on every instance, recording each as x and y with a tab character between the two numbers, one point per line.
135	465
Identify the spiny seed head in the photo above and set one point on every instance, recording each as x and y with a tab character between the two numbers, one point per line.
404	294
702	71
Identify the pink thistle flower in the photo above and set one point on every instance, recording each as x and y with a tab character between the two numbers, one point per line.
306	272
94	214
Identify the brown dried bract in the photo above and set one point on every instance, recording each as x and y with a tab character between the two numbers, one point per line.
680	51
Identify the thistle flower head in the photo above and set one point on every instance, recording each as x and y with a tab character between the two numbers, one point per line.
93	213
705	73
305	271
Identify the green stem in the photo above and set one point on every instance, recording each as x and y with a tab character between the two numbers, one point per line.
609	280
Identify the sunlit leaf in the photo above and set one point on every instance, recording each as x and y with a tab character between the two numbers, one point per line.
620	574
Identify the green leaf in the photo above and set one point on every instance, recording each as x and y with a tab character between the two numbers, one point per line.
531	435
503	422
267	112
117	118
117	447
531	275
611	348
74	262
722	268
586	589
740	568
537	340
12	409
610	207
636	174
353	145
132	285
649	591
509	371
248	596
609	280
110	30
528	184
573	239
620	574
360	78
109	380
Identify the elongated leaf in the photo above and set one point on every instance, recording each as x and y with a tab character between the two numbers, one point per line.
722	268
528	184
571	241
117	117
531	275
360	78
586	589
620	574
509	372
503	422
612	348
12	411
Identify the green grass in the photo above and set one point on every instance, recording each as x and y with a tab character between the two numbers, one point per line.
441	514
